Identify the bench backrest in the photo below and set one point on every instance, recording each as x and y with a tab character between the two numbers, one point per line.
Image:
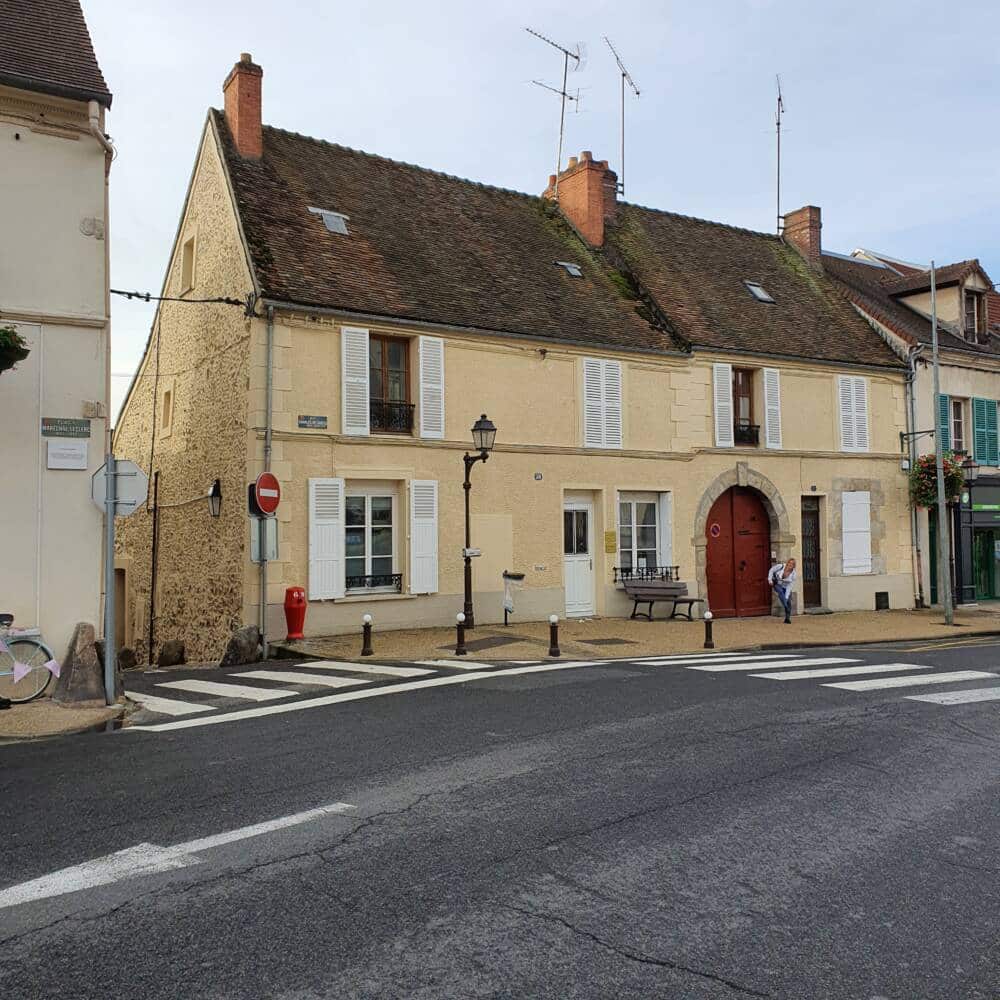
656	589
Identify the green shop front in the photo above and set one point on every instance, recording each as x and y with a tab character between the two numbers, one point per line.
975	569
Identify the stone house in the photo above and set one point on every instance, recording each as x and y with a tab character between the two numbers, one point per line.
54	281
671	396
894	296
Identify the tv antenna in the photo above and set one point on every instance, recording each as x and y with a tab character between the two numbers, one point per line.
564	95
626	78
778	112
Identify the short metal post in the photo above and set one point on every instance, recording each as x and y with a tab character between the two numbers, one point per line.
709	641
110	510
460	649
554	635
366	631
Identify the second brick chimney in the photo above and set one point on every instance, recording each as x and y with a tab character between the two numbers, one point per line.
588	195
242	95
802	229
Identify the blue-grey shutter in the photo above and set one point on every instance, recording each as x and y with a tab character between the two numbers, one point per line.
980	438
944	421
992	456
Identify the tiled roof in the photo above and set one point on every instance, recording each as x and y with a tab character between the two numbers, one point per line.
873	288
423	246
950	274
696	271
45	46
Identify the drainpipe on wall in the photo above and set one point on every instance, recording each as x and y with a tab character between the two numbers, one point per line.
268	420
911	421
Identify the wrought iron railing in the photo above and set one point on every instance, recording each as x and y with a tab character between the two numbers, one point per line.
623	573
376	580
746	433
395	417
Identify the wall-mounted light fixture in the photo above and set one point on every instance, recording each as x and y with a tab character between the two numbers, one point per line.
215	499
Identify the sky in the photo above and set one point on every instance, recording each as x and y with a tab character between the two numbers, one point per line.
887	128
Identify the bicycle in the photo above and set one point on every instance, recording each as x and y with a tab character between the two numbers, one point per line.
26	663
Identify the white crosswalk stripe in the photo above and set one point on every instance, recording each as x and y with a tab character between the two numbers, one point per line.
462	664
241	691
868	668
712	657
166	706
879	683
818	661
968	697
366	668
309	680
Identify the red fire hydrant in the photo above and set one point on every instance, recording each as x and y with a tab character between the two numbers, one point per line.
295	611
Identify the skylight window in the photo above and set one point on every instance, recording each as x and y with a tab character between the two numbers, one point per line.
573	270
335	222
758	292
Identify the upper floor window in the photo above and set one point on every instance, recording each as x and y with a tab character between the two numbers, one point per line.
389	384
602	403
852	396
958	425
167	412
742	397
745	431
187	266
975	316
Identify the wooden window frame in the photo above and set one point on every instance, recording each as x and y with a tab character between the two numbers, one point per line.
957	406
385	340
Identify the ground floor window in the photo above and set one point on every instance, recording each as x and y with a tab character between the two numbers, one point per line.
370	539
643	534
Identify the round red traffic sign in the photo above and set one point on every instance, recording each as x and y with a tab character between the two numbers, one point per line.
267	492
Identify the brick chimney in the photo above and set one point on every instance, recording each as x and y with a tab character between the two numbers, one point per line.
242	94
588	195
802	228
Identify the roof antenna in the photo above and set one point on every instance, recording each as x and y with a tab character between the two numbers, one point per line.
577	56
626	78
779	111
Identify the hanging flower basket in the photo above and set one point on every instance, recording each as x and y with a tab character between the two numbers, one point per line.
923	480
13	348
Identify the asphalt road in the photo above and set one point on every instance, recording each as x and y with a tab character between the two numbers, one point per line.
619	830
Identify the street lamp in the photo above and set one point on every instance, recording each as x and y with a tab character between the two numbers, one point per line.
483	435
970	470
215	499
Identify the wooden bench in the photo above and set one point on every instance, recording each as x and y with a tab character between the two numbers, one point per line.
651	591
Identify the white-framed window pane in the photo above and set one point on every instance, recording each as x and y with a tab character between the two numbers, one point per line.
354	539
646	538
369	542
638	533
626	558
381	510
381	565
645	514
646	558
354	510
355	567
381	541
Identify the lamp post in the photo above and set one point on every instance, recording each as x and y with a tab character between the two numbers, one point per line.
970	472
483	436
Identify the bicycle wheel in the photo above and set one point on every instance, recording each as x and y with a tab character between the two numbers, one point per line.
34	655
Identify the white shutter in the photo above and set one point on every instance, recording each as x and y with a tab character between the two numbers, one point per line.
354	380
326	539
772	408
845	399
665	512
593	403
612	404
431	387
722	393
857	532
423	536
860	406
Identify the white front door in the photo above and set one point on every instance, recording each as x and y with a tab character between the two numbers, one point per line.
578	557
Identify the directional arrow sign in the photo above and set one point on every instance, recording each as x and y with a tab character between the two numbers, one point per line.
132	486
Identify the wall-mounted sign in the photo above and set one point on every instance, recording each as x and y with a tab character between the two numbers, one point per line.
471	553
267	526
312	423
610	542
66	454
715	530
538	477
65	427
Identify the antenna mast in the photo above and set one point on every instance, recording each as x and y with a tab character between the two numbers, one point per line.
567	55
779	111
626	77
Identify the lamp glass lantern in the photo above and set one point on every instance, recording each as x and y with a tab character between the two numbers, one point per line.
970	469
484	433
215	499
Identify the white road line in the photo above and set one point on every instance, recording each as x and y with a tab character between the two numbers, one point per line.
166	706
312	680
366	668
897	682
820	661
711	657
461	664
228	690
966	697
868	668
336	699
148	859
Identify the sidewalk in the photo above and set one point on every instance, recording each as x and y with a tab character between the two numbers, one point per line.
43	717
598	638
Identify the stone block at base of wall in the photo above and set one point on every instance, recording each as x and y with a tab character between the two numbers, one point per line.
243	647
81	678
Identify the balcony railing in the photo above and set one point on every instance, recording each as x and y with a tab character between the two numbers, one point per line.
623	573
376	581
394	417
746	433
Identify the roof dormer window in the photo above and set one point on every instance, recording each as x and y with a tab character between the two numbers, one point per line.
573	270
335	222
975	316
758	292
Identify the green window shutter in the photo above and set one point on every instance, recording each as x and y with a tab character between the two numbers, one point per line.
944	425
980	438
992	457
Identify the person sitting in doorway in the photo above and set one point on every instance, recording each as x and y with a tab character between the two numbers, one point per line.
781	578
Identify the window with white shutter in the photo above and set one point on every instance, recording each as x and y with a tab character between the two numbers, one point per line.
326	539
602	403
431	387
722	394
423	536
852	397
772	408
354	381
857	532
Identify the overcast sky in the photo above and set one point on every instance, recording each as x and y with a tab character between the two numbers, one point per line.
889	126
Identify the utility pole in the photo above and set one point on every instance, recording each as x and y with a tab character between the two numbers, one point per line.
944	528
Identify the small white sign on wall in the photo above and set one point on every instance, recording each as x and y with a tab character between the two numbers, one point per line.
66	453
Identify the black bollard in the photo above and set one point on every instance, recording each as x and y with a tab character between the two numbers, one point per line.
709	641
460	649
366	631
554	635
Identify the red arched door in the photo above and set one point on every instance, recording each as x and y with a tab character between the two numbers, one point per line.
738	555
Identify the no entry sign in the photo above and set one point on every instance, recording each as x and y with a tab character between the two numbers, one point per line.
267	493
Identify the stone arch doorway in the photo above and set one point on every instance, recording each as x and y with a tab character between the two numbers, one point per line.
738	555
781	541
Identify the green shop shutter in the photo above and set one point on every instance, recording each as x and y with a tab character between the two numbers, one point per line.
944	426
984	425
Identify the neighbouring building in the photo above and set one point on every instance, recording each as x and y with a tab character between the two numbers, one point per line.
671	395
54	165
895	297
